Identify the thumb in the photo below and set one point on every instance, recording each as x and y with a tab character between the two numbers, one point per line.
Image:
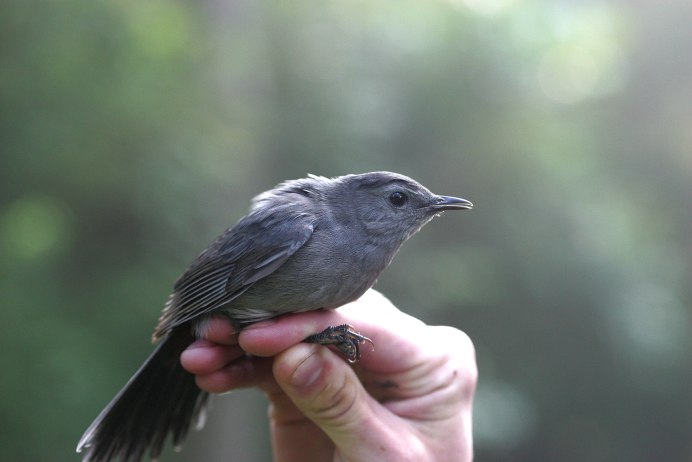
325	388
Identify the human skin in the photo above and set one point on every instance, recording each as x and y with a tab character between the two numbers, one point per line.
408	398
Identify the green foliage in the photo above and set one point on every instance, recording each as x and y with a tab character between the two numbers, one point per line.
134	132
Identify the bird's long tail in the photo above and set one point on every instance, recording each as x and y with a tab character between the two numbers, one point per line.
160	399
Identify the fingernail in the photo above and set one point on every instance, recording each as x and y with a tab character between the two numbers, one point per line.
201	343
307	372
261	324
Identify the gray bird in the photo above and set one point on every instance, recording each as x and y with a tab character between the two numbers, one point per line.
308	244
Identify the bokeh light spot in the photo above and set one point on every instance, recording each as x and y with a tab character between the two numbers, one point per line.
35	226
568	74
503	417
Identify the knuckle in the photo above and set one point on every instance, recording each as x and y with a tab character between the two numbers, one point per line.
461	358
336	403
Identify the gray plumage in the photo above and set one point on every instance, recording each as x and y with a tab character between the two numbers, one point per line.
307	244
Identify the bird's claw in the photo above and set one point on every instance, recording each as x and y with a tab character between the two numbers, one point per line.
344	338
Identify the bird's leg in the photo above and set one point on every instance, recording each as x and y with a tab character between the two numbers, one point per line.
344	338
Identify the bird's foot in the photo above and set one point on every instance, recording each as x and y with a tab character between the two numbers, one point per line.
344	338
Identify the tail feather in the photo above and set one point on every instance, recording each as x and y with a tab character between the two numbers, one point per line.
160	399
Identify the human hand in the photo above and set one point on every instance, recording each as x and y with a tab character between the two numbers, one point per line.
408	399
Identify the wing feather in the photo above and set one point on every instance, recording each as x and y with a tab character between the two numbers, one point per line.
253	249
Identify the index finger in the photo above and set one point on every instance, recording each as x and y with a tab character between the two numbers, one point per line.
396	335
218	329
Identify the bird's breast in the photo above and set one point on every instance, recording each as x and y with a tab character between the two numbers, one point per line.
322	274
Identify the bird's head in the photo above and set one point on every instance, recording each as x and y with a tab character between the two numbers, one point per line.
387	204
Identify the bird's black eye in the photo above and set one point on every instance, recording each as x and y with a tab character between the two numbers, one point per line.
398	199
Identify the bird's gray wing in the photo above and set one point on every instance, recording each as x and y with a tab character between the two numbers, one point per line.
256	247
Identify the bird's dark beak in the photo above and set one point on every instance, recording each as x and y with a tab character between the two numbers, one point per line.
451	203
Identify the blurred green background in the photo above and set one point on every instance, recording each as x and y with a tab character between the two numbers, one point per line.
134	132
